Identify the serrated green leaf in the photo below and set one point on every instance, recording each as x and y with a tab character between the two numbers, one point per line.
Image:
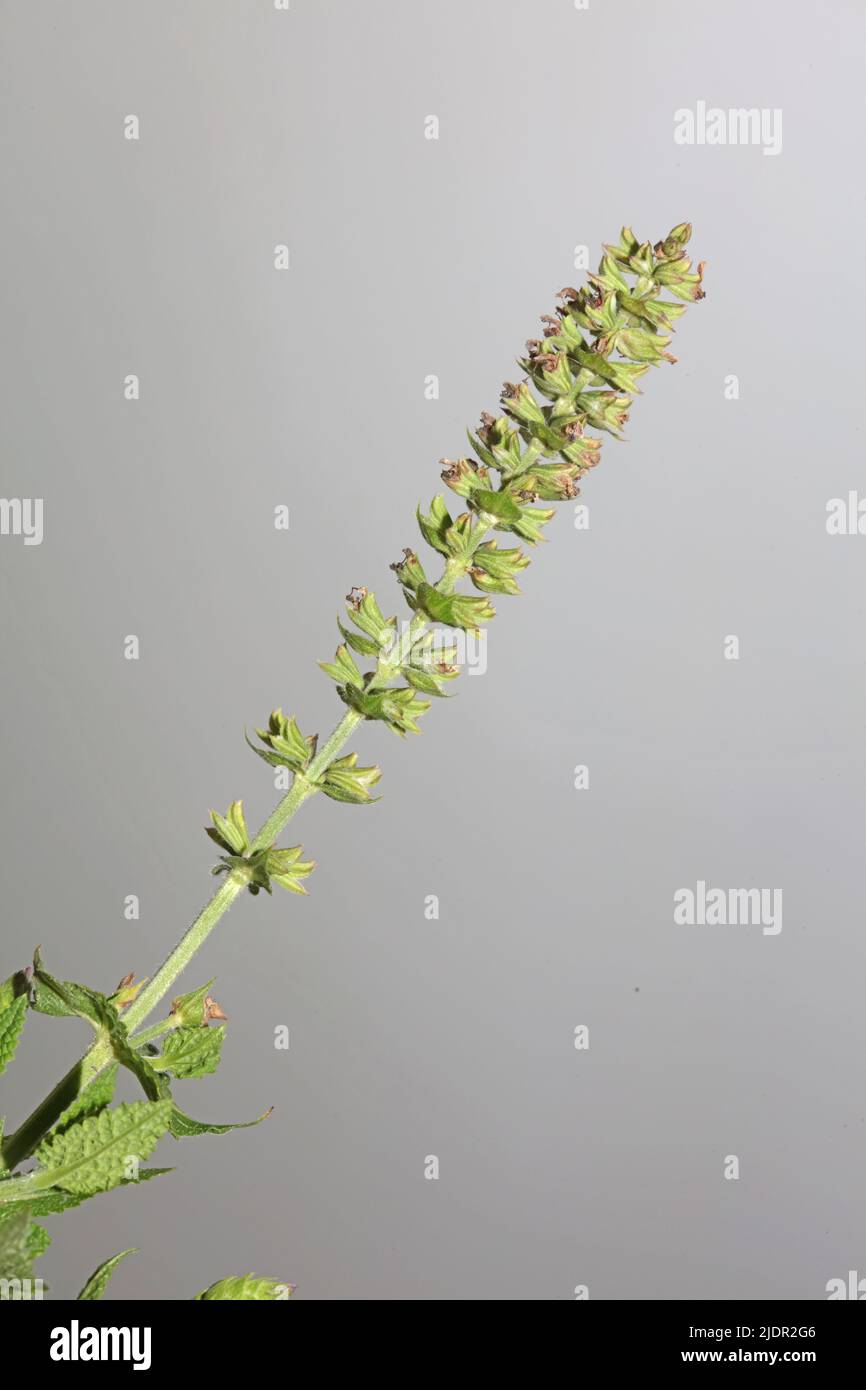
16	1257
65	999
185	1127
22	1242
98	1281
47	1203
11	1023
38	1239
93	1155
155	1087
145	1175
246	1287
192	1051
96	1095
11	988
53	1200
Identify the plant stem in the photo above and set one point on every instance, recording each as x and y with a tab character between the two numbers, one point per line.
18	1146
156	1030
27	1137
186	948
196	935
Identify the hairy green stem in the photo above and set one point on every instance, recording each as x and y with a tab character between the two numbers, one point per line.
27	1137
191	942
18	1146
156	1030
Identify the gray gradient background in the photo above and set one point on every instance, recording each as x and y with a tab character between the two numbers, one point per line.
454	1037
